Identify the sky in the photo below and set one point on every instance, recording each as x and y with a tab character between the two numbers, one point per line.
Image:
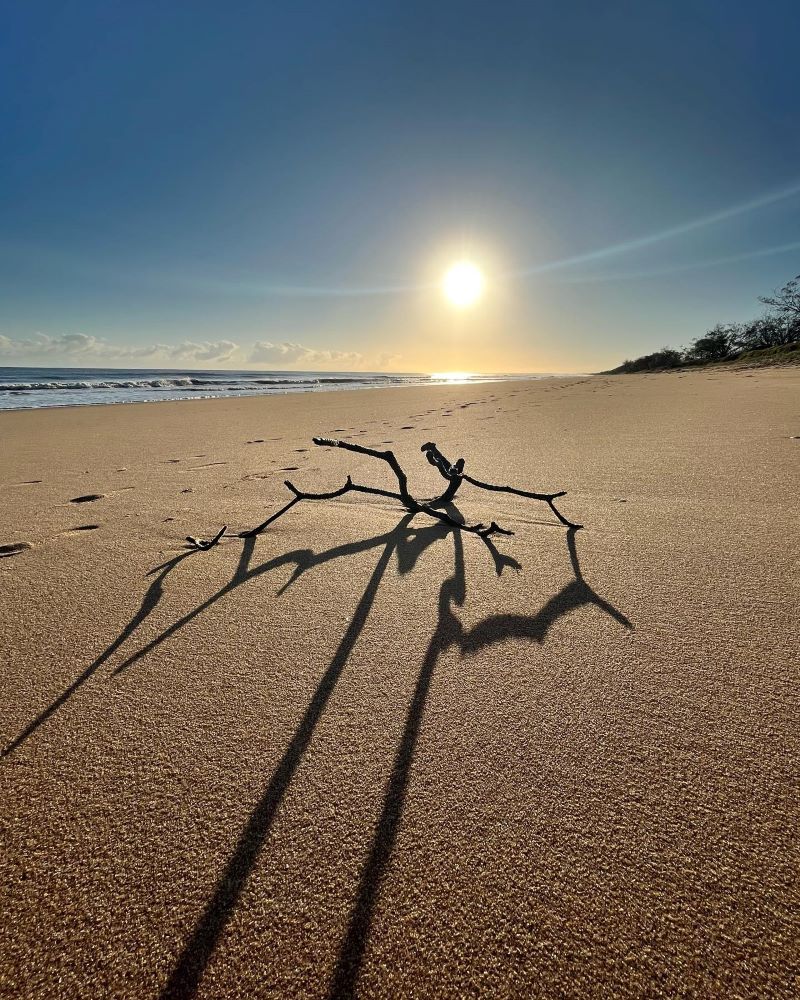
283	185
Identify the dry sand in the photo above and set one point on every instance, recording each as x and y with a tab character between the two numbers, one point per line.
351	759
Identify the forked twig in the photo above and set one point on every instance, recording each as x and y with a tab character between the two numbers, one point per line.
456	475
199	543
452	472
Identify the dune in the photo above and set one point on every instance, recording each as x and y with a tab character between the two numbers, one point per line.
365	754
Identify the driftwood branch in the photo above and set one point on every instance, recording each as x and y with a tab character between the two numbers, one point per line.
453	472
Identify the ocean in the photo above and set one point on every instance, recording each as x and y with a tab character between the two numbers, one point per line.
25	388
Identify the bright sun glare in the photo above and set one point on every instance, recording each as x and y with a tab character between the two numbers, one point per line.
463	284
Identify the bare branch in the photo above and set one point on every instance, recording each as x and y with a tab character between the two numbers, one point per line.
477	529
385	456
264	524
453	472
547	497
300	495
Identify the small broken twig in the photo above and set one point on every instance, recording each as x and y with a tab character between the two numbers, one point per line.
199	543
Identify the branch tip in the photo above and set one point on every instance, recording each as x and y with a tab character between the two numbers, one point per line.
203	544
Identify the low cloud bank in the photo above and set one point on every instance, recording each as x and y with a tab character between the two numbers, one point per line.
220	350
70	345
265	352
86	350
83	347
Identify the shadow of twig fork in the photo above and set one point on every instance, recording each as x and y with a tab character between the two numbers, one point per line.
150	600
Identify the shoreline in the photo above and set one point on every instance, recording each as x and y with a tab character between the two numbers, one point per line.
89	387
304	393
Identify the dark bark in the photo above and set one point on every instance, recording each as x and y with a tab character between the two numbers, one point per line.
453	472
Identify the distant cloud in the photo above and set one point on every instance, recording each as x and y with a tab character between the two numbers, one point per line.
387	360
86	350
81	346
73	345
220	350
287	353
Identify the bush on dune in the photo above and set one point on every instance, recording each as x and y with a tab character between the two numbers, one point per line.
771	339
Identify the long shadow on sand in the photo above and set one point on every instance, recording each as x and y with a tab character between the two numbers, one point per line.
449	633
408	544
413	542
150	601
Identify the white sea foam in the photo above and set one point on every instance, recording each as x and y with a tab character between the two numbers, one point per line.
37	387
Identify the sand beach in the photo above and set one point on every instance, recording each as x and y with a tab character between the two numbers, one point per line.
366	755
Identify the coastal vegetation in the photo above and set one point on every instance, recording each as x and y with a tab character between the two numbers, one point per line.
772	338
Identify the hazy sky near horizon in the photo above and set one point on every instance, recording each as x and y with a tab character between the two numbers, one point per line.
282	185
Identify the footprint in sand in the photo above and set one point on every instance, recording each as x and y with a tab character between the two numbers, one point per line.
91	497
14	549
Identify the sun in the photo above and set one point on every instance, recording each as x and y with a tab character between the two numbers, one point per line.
463	284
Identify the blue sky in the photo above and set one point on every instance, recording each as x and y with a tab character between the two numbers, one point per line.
282	185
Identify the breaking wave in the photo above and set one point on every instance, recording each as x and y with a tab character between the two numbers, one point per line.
37	387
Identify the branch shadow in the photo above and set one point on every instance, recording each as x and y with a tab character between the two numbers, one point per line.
449	633
302	559
194	958
351	952
409	542
150	601
408	545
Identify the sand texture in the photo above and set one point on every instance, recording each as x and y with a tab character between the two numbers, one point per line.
366	756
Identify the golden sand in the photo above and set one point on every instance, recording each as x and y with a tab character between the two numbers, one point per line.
354	758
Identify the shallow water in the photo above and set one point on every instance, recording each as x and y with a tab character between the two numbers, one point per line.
25	388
